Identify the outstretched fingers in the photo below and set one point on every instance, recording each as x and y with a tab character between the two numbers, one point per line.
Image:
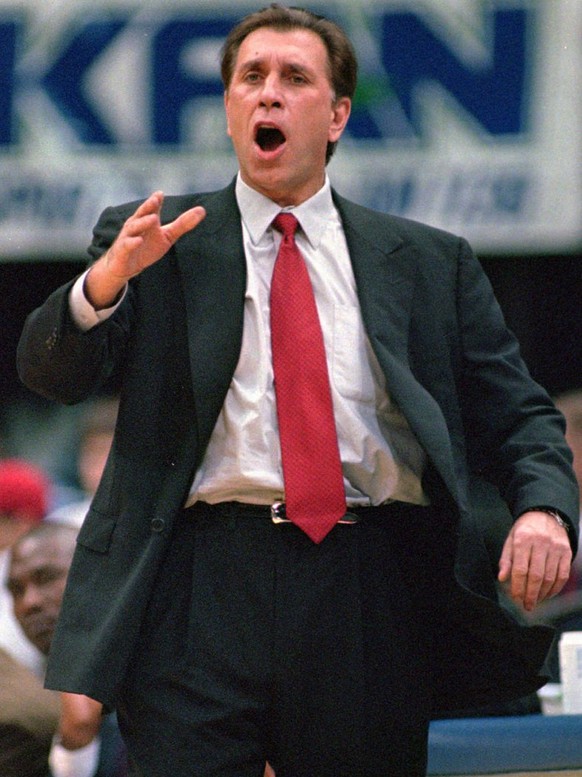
142	241
184	223
146	216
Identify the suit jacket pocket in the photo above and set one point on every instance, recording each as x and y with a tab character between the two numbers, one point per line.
96	531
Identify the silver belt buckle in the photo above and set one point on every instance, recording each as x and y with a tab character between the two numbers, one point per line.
278	513
349	518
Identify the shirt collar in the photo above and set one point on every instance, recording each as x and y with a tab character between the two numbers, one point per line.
258	211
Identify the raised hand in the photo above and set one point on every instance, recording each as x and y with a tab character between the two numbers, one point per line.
142	241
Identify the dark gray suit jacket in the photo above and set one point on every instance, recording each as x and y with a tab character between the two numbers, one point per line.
450	364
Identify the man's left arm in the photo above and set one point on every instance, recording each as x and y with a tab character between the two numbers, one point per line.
518	435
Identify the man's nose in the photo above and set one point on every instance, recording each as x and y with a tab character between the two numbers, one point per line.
31	599
271	94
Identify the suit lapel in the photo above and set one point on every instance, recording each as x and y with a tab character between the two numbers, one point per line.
212	264
384	276
385	266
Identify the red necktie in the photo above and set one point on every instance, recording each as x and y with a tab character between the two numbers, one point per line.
314	486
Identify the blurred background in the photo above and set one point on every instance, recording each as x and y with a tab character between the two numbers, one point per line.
468	116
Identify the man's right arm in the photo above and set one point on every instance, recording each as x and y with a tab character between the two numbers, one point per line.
67	362
60	361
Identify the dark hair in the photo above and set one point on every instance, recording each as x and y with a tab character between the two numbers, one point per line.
343	65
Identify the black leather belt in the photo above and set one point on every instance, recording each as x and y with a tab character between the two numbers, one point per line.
277	514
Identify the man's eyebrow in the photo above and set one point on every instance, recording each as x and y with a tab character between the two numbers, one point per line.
295	67
257	63
251	64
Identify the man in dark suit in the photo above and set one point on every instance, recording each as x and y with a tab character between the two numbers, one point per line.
222	632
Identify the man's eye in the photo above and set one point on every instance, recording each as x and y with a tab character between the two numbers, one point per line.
252	77
47	576
14	589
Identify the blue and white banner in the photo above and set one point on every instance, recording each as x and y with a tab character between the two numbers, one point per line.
468	115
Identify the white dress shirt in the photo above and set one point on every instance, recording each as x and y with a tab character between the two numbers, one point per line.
381	459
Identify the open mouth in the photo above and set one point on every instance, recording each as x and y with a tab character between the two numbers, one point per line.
269	138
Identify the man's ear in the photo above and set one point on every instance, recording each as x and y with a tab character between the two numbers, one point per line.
226	112
340	113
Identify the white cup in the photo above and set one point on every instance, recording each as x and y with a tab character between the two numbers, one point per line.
570	652
551	700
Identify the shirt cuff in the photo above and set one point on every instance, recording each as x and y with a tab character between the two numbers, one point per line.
554	513
84	314
74	763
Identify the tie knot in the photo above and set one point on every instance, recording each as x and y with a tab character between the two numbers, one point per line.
286	223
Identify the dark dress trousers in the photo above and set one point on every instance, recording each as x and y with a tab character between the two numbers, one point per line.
450	365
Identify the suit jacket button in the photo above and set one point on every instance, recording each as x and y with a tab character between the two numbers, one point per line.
51	340
158	524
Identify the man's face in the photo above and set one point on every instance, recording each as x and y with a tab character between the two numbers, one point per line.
281	113
36	580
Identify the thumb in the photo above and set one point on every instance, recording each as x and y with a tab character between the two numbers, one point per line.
184	223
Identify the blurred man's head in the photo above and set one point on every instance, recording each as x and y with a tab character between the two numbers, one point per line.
97	432
24	492
39	565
